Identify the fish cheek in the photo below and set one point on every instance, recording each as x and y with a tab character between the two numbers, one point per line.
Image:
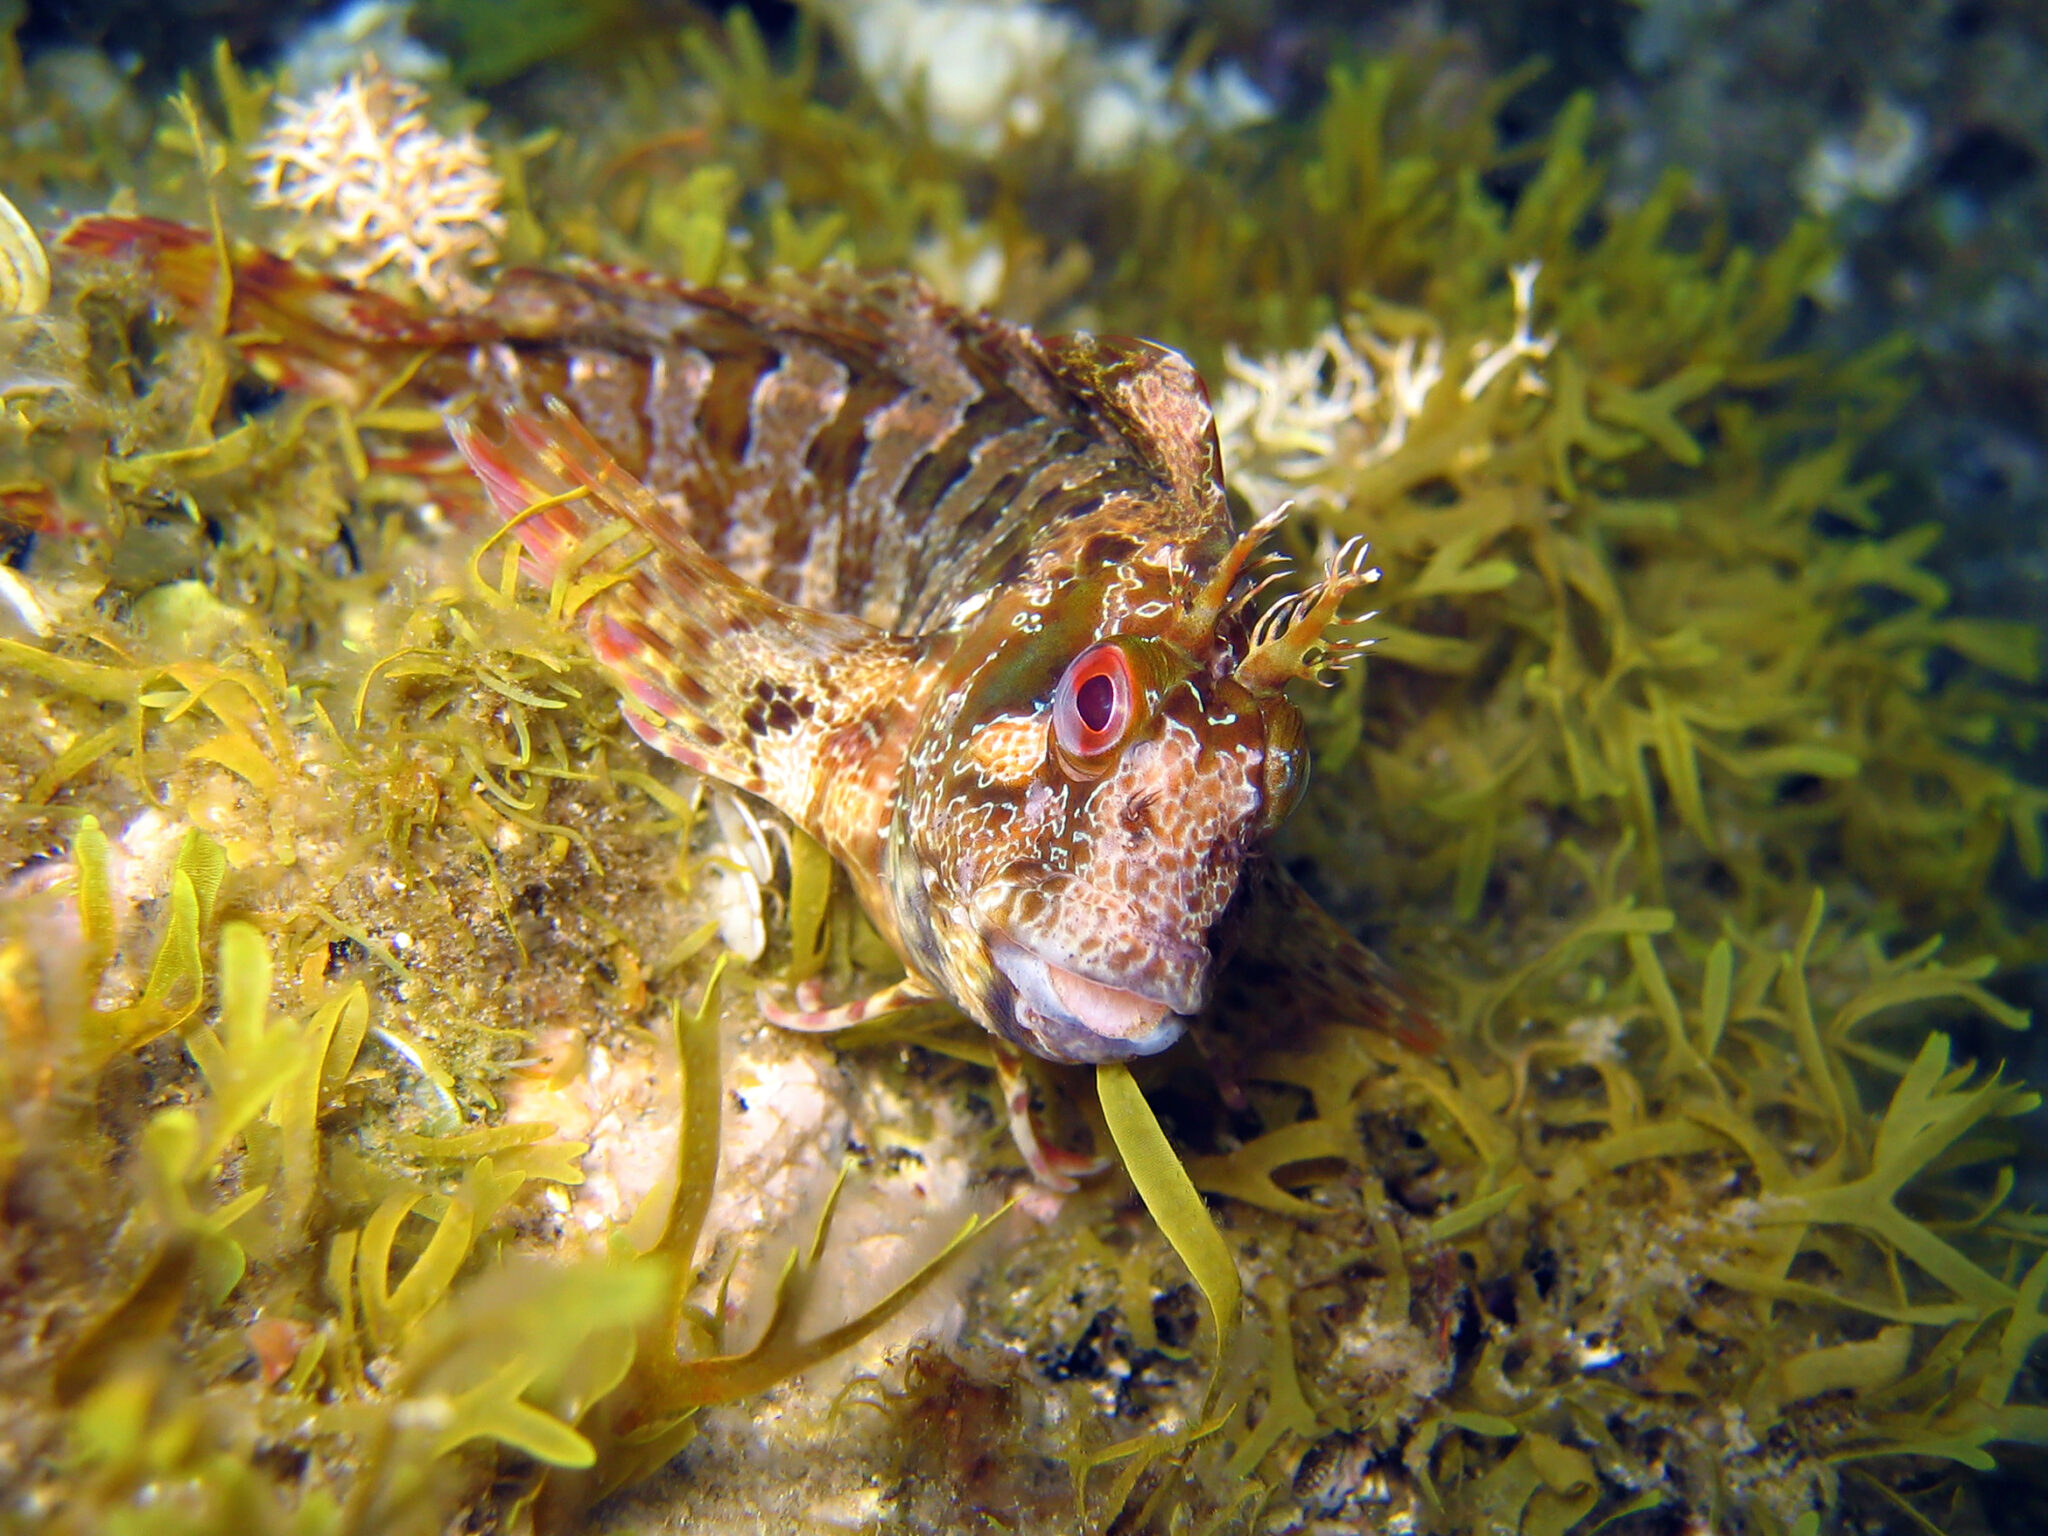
952	838
1008	751
919	909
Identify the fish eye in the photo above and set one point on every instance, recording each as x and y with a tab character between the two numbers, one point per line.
1094	703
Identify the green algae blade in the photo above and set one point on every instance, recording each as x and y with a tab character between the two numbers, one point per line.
1470	1217
95	894
810	905
699	1090
1169	1194
778	1354
1287	1410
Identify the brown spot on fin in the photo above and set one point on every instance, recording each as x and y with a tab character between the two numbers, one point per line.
1154	398
716	673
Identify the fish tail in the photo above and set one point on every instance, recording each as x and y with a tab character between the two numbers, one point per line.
303	329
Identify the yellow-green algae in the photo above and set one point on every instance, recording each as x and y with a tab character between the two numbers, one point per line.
1696	1216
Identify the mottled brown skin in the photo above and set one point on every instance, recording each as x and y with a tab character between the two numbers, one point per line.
965	603
1066	904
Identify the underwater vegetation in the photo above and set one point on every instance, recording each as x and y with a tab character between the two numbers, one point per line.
388	1140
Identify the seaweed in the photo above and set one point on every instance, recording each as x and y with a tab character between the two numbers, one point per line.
1169	1195
1672	786
1556	1127
225	1184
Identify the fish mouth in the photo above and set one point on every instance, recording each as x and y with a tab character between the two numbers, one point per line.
1065	1016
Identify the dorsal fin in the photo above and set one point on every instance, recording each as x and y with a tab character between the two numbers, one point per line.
1153	397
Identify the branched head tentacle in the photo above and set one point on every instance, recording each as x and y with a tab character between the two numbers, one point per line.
1217	601
1291	639
1268	572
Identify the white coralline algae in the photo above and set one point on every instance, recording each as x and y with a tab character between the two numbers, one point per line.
988	73
1294	425
1133	101
1876	163
1286	419
378	190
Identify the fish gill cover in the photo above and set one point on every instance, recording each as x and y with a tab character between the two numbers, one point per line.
390	1141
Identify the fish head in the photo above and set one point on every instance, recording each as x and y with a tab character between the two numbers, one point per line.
1085	788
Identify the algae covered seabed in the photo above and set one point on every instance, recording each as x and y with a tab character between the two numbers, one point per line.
389	1137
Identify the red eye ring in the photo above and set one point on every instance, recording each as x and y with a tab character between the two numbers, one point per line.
1094	704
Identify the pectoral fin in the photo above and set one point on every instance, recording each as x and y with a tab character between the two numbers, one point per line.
1291	966
715	672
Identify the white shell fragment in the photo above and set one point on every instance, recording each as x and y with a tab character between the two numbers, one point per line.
24	603
24	264
740	866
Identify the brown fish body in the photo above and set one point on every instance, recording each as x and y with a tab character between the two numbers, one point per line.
964	602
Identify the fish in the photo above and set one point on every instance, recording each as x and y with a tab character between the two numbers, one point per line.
964	602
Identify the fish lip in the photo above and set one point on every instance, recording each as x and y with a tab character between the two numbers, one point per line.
1071	1016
